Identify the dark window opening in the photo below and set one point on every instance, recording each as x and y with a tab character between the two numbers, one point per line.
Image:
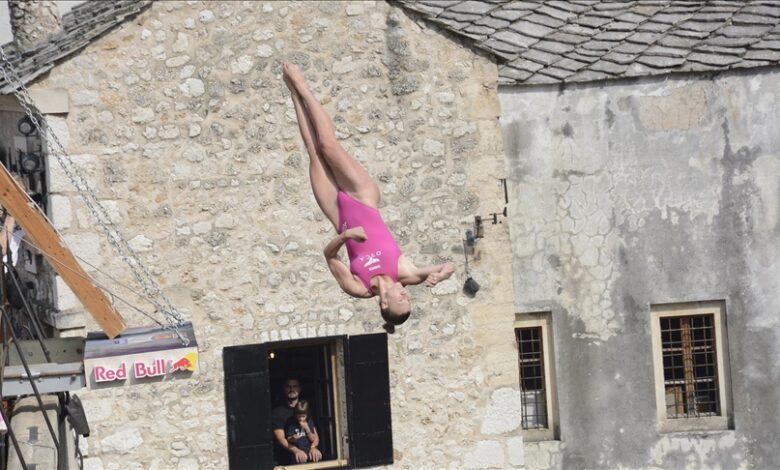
313	367
690	366
532	379
347	381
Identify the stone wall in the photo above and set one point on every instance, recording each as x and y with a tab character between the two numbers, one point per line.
184	127
632	195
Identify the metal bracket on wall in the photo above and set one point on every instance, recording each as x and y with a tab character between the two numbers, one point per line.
479	231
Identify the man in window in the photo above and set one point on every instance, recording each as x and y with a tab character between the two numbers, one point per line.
280	416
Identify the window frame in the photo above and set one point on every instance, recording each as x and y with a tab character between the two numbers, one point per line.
721	422
367	443
543	320
336	346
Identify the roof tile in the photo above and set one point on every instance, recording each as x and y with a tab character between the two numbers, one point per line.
525	64
556	13
620	58
542	57
588	76
545	41
538	78
553	46
508	50
516	39
491	22
592	21
660	61
737	51
763	10
644	38
582	57
730	41
612	35
608	67
568	6
654	27
678	41
514	74
482	30
472	7
748	19
545	20
713	59
557	72
630	48
509	15
464	17
531	29
567	38
599	45
570	64
775	45
744	31
763	54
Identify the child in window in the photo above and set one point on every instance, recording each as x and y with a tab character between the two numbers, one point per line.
300	430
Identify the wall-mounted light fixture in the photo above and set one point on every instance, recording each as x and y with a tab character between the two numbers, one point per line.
25	126
30	163
470	286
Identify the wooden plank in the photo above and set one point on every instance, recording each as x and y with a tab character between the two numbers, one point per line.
43	235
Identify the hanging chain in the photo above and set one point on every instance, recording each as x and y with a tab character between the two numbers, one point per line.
101	216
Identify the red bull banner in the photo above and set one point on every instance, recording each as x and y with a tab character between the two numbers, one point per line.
140	355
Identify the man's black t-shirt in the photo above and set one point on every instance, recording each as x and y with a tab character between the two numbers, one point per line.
280	415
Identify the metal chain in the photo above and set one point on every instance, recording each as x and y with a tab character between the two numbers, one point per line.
115	238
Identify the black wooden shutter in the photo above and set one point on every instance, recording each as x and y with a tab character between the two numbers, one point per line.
371	437
248	407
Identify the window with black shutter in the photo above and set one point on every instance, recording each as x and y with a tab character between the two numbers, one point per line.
344	379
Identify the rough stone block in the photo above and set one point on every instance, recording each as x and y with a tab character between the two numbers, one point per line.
504	413
60	211
486	454
515	450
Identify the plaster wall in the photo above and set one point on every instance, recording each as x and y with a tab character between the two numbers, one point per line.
628	195
182	124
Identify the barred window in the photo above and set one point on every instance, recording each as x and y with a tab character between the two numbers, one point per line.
690	366
690	360
531	364
533	335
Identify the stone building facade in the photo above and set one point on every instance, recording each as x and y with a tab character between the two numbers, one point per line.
182	123
627	194
636	195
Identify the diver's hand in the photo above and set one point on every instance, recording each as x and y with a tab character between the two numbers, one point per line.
355	233
444	273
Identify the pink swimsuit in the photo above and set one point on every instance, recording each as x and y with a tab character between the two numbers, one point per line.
379	253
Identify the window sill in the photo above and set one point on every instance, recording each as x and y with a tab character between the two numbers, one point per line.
706	424
312	466
538	435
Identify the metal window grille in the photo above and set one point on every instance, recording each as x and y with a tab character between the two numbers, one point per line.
690	366
532	380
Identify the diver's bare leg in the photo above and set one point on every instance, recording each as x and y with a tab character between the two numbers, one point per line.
350	175
323	183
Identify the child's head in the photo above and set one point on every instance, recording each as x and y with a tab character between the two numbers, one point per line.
301	410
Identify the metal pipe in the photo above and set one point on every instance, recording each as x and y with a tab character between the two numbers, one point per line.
32	381
11	433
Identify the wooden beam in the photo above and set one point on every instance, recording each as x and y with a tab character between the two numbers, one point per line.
45	237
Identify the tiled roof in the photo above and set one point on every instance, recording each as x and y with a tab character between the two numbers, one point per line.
557	41
83	24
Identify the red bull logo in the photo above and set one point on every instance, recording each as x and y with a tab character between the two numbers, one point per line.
187	363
